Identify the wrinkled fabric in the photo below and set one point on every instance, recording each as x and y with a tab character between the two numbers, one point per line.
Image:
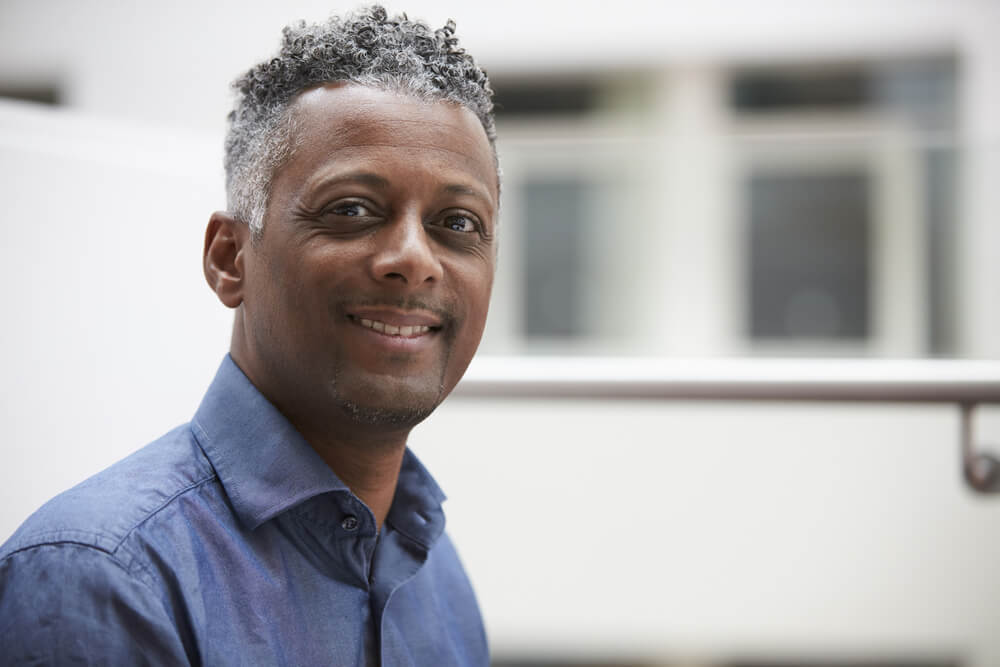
228	541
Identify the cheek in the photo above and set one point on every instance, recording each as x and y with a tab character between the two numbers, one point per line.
476	289
277	295
261	313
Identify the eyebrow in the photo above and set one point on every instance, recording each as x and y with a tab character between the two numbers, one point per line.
458	189
362	177
372	179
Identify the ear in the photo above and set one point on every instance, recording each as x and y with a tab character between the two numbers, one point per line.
226	239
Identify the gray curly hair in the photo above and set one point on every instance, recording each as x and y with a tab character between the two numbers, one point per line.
367	48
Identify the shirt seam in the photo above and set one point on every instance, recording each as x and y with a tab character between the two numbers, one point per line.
41	542
112	556
46	538
163	505
136	572
135	569
134	560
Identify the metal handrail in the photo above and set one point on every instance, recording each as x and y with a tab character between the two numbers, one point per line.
964	383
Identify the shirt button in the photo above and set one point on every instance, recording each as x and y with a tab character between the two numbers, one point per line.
350	522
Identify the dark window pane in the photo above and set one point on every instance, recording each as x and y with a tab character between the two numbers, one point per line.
783	89
542	98
40	93
809	255
553	239
940	199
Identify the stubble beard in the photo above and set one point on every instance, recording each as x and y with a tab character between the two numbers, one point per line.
402	406
383	417
393	403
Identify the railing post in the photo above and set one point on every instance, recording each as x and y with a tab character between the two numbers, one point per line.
981	470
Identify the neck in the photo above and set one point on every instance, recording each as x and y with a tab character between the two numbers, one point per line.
366	459
370	470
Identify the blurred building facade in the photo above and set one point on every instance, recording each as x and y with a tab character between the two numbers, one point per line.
794	208
765	178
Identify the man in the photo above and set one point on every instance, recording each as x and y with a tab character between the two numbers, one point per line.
288	524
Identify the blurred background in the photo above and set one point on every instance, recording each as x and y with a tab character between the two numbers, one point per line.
685	180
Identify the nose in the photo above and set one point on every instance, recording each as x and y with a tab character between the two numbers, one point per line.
404	254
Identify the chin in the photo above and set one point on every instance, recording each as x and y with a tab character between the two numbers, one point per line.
394	417
402	404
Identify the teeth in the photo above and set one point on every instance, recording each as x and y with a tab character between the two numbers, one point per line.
405	331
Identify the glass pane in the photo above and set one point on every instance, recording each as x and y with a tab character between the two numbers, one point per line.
552	252
809	255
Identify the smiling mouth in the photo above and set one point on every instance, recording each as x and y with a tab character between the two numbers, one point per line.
406	331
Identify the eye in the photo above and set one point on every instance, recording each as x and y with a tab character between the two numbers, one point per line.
345	216
351	209
460	222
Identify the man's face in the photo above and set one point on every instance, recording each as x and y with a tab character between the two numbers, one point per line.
366	296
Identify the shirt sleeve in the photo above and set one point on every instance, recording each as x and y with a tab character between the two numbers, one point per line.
71	604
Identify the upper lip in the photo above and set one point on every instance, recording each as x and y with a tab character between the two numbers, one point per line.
395	316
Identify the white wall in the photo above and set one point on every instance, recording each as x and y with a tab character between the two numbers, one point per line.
110	334
711	530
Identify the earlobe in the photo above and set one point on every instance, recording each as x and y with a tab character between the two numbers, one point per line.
226	238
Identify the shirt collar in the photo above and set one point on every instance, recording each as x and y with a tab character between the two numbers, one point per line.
416	507
263	463
266	467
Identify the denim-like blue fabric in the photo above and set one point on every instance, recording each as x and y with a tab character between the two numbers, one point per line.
228	541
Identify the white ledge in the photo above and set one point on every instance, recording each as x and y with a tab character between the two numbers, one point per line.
862	380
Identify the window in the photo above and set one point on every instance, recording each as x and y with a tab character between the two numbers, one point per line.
554	221
809	249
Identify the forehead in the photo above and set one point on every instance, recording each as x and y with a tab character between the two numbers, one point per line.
336	124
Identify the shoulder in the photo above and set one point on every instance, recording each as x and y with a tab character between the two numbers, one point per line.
72	590
70	603
101	512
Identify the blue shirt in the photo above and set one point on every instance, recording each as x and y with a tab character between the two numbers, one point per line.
229	541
